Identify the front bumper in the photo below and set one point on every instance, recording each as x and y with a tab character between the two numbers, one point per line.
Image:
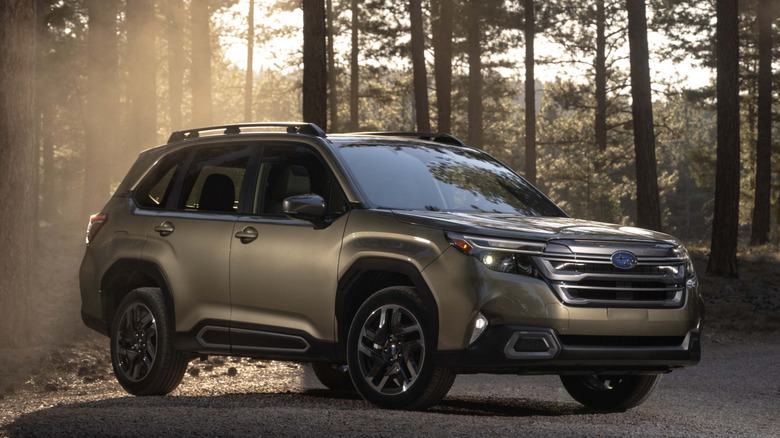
534	350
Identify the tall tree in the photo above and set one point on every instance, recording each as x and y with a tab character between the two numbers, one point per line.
600	79
442	60
142	87
102	102
200	73
530	93
315	78
354	78
17	167
175	35
418	67
725	224
760	227
648	207
474	31
250	52
333	102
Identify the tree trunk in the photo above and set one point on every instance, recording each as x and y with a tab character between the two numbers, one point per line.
418	67
530	93
474	37
761	209
175	62
333	102
648	208
102	117
601	78
725	224
42	101
315	78
250	52
17	168
49	203
354	106
200	73
443	66
142	87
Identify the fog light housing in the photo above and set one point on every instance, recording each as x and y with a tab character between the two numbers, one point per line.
478	327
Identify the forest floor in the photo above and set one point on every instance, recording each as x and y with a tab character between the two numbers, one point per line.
68	358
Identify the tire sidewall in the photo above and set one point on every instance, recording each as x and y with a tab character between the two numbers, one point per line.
407	299
152	299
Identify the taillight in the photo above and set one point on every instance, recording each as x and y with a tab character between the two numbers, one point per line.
96	222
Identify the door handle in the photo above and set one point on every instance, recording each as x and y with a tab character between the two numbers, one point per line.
165	228
248	234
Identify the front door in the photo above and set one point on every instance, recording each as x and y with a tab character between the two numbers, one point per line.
283	272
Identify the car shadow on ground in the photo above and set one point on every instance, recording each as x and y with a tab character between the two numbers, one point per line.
473	406
269	413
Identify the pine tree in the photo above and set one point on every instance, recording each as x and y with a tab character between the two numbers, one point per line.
17	167
315	79
419	73
200	73
723	255
761	208
648	207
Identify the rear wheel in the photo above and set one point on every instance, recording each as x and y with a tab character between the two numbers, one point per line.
142	353
389	352
334	376
610	393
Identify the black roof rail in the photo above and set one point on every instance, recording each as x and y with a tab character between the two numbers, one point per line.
291	128
430	136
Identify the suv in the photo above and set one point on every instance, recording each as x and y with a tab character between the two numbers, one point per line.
390	261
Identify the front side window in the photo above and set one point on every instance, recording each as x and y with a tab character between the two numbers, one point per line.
214	179
294	170
421	176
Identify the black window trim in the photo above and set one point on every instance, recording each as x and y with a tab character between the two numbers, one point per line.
247	197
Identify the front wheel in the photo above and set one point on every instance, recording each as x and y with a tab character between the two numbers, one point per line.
389	352
610	393
142	353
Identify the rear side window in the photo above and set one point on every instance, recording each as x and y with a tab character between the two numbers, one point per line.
155	188
214	179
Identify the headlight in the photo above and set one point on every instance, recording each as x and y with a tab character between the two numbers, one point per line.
683	253
502	255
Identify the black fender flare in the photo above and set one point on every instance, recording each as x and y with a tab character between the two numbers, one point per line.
384	265
127	274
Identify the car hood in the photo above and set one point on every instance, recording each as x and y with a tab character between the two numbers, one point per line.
528	227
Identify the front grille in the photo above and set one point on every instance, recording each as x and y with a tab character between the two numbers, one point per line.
586	277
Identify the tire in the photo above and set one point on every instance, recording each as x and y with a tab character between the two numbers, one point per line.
142	353
394	368
610	393
334	376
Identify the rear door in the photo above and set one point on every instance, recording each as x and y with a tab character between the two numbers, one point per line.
190	238
283	281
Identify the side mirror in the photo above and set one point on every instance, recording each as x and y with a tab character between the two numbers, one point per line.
309	208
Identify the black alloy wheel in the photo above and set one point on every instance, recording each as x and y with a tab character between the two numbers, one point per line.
389	352
142	353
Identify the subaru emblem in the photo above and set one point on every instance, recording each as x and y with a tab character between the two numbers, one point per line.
623	260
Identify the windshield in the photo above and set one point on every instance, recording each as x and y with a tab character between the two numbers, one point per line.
424	176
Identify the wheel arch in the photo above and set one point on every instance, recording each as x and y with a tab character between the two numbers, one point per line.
369	275
123	277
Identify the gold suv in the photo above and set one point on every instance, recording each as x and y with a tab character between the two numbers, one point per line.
390	261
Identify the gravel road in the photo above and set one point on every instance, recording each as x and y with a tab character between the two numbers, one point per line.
735	391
